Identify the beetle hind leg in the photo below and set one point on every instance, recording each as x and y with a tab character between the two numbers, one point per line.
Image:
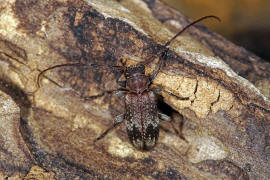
117	121
167	118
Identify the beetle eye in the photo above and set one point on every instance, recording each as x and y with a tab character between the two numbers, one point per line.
129	70
141	67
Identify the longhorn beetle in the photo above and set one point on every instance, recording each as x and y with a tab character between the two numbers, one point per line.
141	113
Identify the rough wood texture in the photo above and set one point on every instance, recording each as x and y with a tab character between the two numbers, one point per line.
49	131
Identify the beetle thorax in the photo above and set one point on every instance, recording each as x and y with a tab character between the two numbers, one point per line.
138	82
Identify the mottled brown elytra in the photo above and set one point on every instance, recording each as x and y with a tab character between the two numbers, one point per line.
141	114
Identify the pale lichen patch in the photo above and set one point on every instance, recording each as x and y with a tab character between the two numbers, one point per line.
16	78
80	121
113	9
186	43
141	5
7	69
62	1
263	86
42	32
217	63
204	148
176	103
8	30
203	94
207	93
100	104
176	24
174	141
56	103
177	85
225	101
236	109
213	62
37	172
78	17
7	105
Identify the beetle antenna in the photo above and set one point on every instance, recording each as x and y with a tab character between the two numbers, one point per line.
191	24
120	68
164	51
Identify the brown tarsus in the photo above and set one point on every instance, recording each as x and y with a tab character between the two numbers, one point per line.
142	130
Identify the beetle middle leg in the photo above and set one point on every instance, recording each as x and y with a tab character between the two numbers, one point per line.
167	118
117	121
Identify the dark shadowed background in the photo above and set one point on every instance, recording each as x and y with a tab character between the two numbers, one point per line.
245	22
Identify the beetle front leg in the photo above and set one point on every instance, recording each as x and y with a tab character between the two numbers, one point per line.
117	120
119	92
158	90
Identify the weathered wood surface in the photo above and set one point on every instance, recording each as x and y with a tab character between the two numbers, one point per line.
48	132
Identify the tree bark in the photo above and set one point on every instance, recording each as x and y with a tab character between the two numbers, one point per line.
216	93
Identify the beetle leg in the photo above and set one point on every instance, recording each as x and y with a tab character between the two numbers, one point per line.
154	74
158	90
164	117
121	83
119	92
159	66
179	133
117	120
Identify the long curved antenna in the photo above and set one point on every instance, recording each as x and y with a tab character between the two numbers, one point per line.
76	64
164	51
191	24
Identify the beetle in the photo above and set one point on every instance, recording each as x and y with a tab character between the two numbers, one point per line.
141	113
